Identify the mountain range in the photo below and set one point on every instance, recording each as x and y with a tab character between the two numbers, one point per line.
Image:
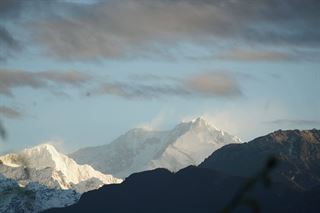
42	170
188	143
42	177
192	168
235	177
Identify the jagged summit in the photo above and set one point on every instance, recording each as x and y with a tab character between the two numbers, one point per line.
52	177
293	183
45	165
40	156
196	120
199	122
188	143
46	146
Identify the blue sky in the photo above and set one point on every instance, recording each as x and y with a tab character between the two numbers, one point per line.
82	73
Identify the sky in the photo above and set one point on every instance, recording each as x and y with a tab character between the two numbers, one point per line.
81	73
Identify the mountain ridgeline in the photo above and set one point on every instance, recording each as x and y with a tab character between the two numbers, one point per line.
298	153
43	164
40	177
212	185
188	143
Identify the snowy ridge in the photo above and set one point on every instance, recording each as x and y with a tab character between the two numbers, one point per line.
39	178
193	146
189	143
33	197
43	164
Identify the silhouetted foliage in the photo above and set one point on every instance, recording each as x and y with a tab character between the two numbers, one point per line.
241	197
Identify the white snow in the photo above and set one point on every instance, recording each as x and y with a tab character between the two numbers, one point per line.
39	178
189	143
43	164
33	197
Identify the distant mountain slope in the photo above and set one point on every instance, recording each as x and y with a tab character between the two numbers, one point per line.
203	189
189	143
189	190
43	164
41	177
298	153
32	197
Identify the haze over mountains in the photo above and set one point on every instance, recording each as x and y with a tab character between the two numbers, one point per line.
47	178
188	143
197	168
88	73
211	186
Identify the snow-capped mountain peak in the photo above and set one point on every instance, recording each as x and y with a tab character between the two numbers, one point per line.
52	178
201	122
193	145
47	166
39	157
188	143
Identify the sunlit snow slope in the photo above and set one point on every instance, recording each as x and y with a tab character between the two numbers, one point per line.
189	143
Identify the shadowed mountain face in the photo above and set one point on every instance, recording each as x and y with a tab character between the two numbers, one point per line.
190	190
204	189
298	153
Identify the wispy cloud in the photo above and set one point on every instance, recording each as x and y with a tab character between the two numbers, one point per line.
256	55
207	85
265	55
9	112
213	84
71	30
13	79
156	122
200	84
139	90
295	122
140	28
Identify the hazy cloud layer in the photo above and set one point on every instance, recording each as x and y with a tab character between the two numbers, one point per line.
12	79
141	28
140	91
295	122
213	84
9	112
254	55
139	86
207	85
145	28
